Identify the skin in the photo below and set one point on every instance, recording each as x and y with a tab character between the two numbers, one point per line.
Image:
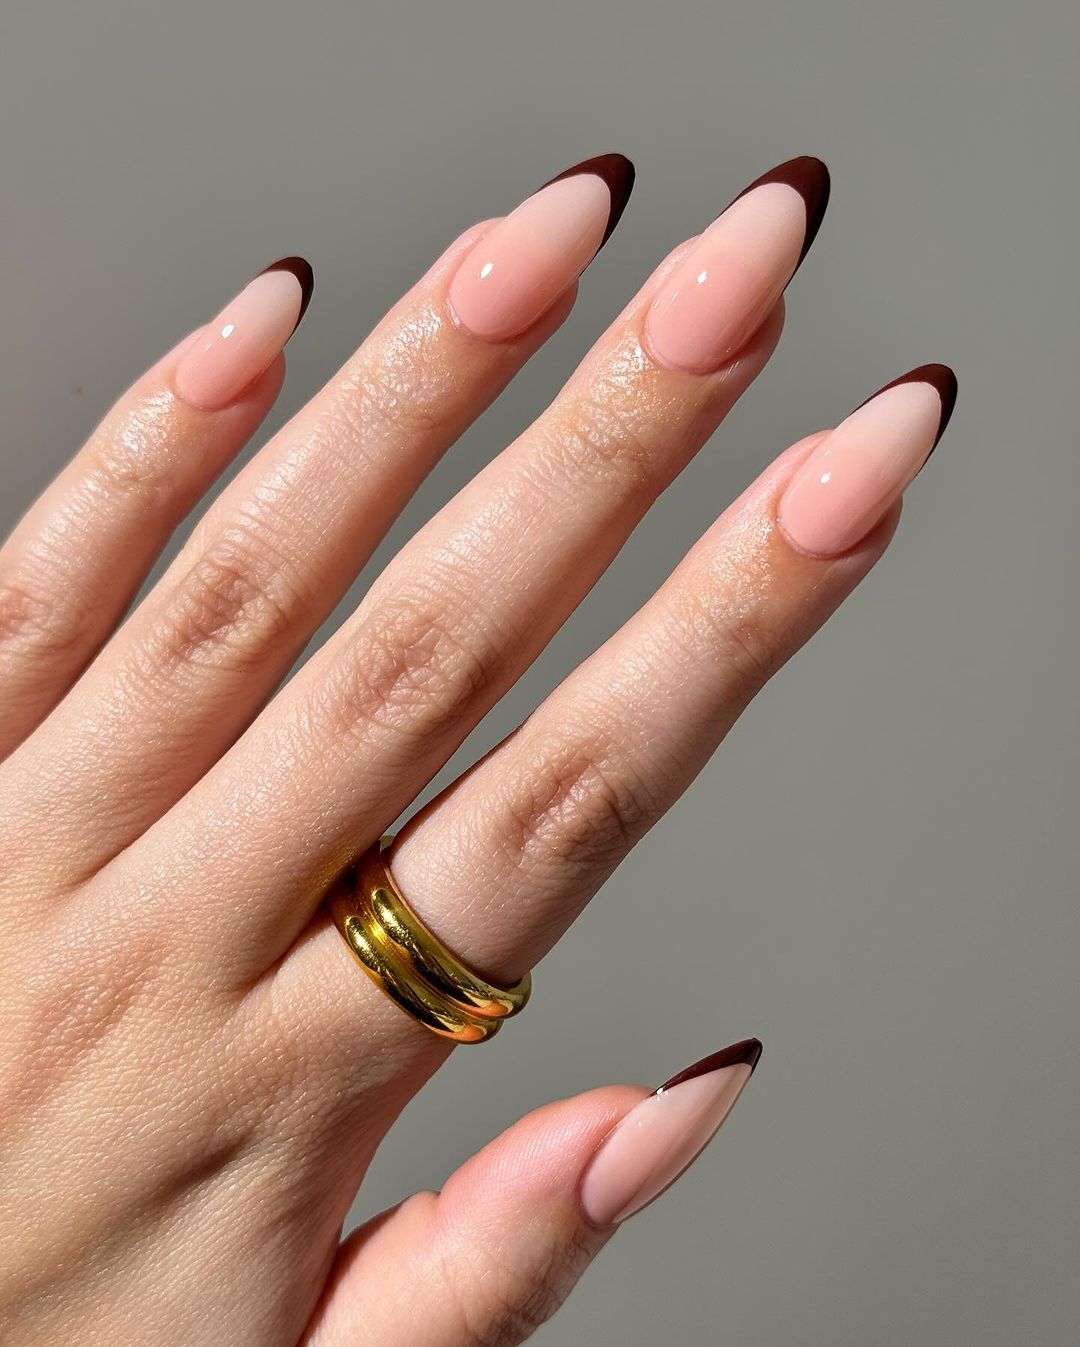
194	1075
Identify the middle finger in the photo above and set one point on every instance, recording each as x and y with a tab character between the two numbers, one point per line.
279	546
473	599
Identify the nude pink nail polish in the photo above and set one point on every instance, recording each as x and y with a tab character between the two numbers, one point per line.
246	336
656	1142
521	267
860	468
738	268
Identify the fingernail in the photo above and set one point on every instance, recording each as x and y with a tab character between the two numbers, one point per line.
246	336
864	465
735	272
518	270
660	1138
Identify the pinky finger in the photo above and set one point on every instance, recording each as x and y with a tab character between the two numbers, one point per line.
73	564
494	1255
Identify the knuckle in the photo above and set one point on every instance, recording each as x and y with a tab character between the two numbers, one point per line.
395	392
735	631
601	435
491	1321
578	801
402	400
29	618
505	1306
414	663
132	458
239	598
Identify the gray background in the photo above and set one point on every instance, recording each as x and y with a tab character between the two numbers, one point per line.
878	868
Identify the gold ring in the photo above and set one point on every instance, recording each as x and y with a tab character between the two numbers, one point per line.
411	965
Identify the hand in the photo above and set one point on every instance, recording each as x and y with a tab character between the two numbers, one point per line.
195	1071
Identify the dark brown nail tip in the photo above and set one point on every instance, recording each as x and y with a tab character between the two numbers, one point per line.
617	173
301	269
748	1052
943	381
810	178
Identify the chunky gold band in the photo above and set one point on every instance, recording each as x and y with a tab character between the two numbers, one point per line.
410	965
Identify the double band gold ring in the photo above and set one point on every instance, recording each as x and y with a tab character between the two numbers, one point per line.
410	964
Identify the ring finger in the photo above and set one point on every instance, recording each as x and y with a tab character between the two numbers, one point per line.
503	860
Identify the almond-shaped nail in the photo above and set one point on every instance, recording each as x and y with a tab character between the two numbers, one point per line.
525	262
864	465
246	336
661	1137
734	273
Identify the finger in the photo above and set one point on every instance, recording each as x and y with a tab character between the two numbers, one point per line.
503	860
73	564
283	542
546	817
470	602
497	1251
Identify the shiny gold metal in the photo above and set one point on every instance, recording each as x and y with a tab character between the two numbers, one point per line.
411	965
411	941
397	982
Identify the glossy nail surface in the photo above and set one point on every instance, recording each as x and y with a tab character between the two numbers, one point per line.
656	1141
735	272
246	336
525	262
860	468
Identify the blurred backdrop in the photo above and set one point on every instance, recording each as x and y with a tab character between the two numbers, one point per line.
877	874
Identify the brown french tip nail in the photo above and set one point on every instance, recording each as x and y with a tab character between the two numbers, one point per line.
863	466
617	174
942	378
746	1053
810	178
300	267
246	337
661	1136
521	266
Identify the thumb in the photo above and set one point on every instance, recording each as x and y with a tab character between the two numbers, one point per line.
492	1256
